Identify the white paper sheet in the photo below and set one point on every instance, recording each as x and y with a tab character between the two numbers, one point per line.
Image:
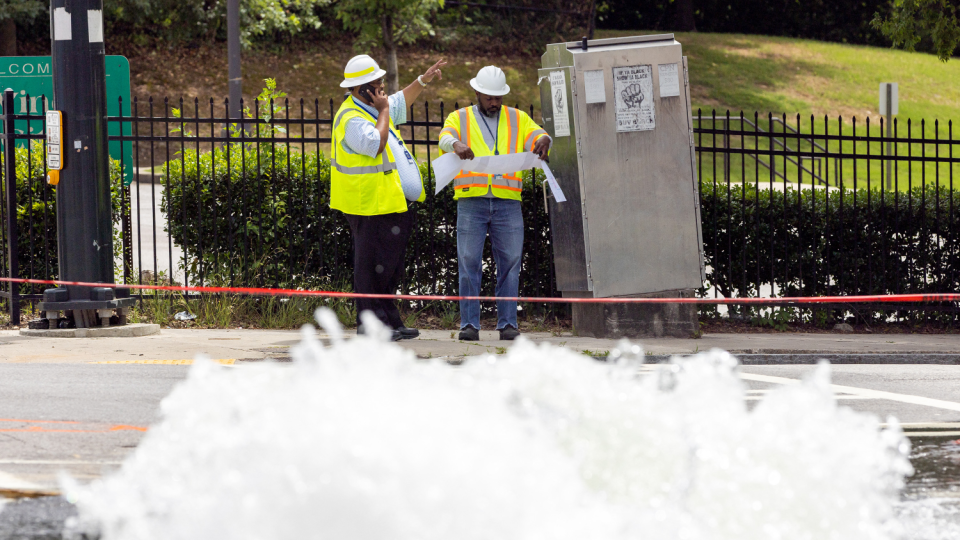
669	80
449	165
594	86
633	91
62	25
95	25
561	118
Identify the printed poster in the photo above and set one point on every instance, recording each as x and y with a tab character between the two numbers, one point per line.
633	94
561	118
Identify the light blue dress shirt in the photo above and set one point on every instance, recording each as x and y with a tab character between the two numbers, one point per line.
362	137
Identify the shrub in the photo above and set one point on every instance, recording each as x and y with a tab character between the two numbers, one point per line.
37	216
259	215
819	242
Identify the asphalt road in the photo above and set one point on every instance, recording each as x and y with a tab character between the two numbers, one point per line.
85	418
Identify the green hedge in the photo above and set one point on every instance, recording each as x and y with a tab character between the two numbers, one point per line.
265	220
259	215
37	216
819	242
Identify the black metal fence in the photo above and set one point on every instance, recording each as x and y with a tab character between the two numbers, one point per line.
789	207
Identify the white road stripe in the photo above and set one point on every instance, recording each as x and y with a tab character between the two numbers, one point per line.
929	425
11	482
55	462
875	394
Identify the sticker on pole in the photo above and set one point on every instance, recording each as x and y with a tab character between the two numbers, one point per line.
54	146
633	94
561	118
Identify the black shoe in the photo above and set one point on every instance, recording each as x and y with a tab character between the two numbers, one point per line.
469	333
407	333
395	335
508	333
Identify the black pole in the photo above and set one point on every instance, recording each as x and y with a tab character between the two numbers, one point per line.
84	225
10	179
233	55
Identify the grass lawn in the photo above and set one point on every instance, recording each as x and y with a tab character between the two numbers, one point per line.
728	72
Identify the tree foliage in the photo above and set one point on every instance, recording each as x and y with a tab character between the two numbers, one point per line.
913	21
177	21
22	10
388	23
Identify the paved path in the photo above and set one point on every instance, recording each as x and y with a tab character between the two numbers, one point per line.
82	405
172	345
153	250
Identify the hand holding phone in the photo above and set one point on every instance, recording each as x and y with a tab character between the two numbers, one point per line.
380	101
366	92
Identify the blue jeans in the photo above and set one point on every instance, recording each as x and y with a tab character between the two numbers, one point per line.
503	221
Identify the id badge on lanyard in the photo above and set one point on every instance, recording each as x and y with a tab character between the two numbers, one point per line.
409	157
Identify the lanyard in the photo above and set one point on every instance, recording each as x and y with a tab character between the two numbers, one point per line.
496	147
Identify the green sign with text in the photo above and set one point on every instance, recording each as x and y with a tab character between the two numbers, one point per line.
30	79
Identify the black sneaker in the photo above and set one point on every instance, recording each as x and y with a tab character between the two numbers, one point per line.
469	333
407	333
508	333
395	335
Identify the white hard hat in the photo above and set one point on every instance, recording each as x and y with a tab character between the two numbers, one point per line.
491	81
361	70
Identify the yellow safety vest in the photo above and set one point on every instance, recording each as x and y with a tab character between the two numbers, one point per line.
363	185
516	133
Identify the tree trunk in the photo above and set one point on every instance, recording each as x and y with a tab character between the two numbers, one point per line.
8	37
592	23
684	18
392	79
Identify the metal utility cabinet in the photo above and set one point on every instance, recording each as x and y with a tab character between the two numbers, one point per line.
619	114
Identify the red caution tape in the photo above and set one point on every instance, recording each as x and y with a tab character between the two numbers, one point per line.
262	291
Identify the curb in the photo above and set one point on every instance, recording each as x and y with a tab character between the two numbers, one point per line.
127	330
760	359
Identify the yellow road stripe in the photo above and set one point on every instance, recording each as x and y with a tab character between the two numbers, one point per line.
221	361
931	433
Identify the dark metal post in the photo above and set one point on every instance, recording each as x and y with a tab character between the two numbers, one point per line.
233	55
889	114
84	224
10	178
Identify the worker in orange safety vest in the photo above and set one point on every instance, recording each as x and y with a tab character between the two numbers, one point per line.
490	204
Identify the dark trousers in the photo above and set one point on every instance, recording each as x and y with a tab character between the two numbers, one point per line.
379	247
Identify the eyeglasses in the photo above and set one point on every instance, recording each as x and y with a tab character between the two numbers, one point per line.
378	82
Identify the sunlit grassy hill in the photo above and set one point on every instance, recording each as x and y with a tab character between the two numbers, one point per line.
727	71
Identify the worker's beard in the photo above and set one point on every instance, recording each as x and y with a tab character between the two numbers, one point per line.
491	112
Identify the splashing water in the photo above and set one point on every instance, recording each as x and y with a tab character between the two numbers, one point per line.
361	441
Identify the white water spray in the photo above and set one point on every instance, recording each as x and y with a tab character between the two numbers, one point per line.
362	441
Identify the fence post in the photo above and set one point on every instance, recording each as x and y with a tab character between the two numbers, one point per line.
10	177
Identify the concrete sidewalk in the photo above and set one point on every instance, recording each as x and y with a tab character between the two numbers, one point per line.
180	346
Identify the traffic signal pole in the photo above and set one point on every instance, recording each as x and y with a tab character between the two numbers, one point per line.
84	224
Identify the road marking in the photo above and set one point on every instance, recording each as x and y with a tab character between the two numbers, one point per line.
929	425
931	433
10	482
221	361
32	427
840	396
51	462
875	394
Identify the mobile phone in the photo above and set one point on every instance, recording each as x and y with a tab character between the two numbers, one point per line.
366	91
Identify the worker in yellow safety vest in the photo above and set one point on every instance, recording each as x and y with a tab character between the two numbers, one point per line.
490	204
376	183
